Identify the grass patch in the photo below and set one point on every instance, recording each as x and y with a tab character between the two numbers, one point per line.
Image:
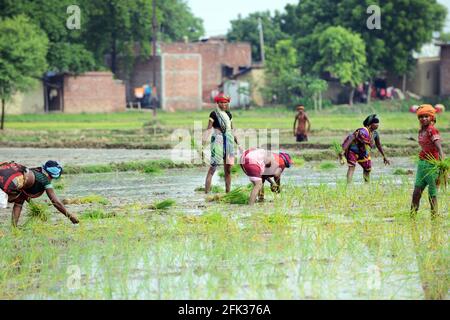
235	170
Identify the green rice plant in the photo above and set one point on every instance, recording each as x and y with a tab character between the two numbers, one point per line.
402	172
214	189
151	169
92	198
440	168
59	185
327	165
338	150
163	205
239	195
97	213
38	210
298	161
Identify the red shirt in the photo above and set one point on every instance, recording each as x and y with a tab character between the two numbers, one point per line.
427	138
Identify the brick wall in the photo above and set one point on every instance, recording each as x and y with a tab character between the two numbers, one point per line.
445	70
142	73
181	82
93	92
214	55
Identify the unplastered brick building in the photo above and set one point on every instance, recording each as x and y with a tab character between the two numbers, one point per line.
188	74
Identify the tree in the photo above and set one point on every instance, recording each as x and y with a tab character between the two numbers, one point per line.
283	75
246	29
67	49
343	55
406	25
108	27
23	49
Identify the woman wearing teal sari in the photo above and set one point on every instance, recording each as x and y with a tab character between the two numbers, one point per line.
222	141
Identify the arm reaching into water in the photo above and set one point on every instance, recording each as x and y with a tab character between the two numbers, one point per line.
58	205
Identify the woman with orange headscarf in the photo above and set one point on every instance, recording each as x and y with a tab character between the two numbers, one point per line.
430	142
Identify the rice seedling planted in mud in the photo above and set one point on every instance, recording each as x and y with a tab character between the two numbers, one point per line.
326	165
97	213
214	189
92	198
402	172
163	205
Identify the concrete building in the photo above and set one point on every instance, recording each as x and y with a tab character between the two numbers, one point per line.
444	77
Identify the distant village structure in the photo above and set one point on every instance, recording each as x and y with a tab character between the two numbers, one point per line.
189	74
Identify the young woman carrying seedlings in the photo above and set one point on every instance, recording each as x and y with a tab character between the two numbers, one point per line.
301	132
21	184
261	165
357	147
430	142
222	141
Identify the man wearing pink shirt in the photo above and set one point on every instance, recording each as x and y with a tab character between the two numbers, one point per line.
261	165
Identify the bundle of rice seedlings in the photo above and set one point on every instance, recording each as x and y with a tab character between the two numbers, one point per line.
38	210
239	195
337	148
441	168
162	205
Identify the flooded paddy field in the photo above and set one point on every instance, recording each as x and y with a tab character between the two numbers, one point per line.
318	239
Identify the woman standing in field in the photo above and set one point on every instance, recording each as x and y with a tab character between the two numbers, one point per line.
21	184
222	141
430	142
301	132
260	165
357	147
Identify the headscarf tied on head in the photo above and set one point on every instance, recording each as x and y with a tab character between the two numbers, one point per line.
286	159
53	169
370	120
221	97
426	109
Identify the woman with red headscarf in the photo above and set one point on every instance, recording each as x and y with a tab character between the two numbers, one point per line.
430	142
222	141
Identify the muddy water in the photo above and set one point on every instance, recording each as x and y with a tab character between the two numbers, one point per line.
180	184
34	156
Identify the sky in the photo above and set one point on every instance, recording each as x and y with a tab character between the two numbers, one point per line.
216	14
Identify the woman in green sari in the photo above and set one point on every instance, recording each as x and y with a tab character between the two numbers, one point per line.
222	141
